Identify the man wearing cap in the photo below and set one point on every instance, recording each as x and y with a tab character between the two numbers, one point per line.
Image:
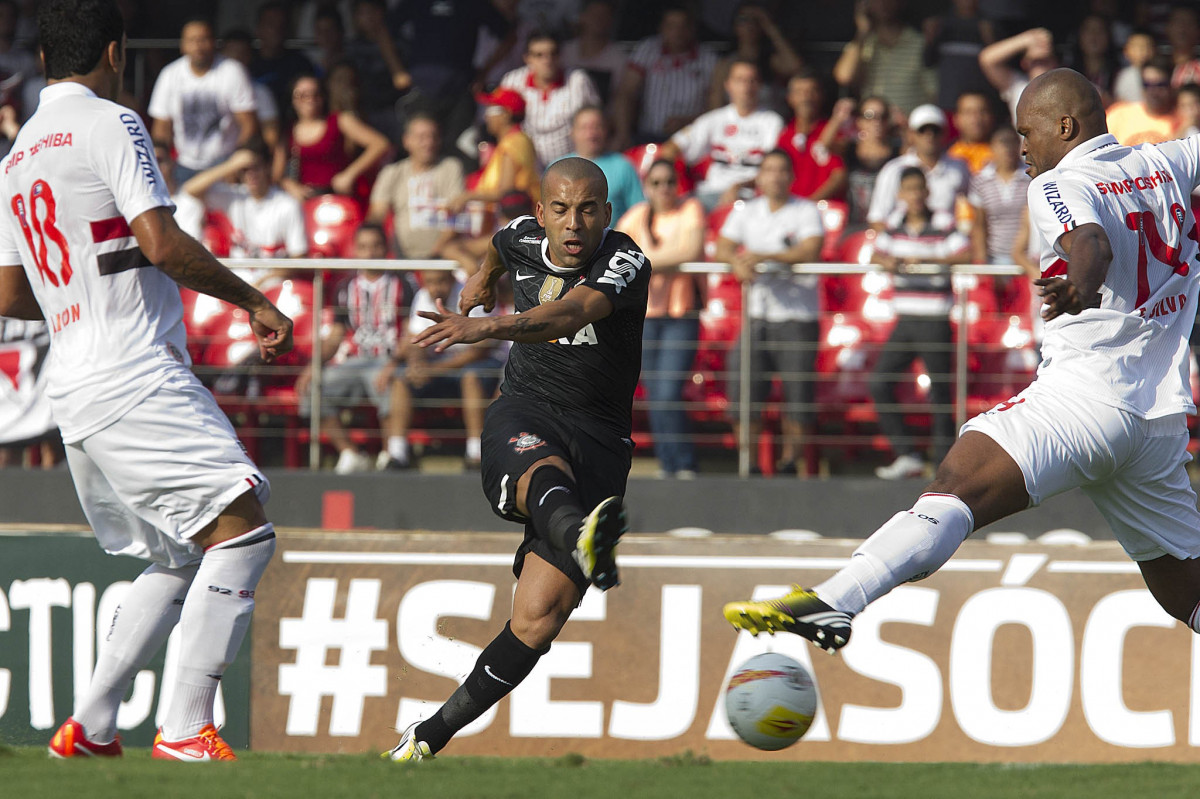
947	178
551	95
513	164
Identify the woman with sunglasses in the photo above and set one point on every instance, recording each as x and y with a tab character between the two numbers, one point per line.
325	152
670	231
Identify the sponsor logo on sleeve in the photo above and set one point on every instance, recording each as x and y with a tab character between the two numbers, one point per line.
622	269
141	145
1057	206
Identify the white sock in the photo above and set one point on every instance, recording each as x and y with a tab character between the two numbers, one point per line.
912	545
140	626
1193	621
474	448
216	615
397	447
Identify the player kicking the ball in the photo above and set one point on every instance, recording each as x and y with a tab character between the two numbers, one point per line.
88	242
1107	410
556	446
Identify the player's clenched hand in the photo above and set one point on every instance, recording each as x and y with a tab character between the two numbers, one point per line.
1060	296
476	292
449	329
273	331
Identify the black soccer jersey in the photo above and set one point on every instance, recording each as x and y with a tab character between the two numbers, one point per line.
593	373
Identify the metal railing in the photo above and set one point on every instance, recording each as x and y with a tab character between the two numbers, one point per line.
963	278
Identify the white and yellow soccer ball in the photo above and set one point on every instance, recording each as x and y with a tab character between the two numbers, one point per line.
770	701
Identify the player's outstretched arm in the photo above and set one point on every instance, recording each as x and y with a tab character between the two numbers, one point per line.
189	264
16	296
1089	254
565	317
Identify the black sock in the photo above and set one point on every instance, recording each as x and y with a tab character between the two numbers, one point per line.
502	665
554	509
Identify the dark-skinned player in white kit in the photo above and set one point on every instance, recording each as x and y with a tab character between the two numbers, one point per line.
1107	412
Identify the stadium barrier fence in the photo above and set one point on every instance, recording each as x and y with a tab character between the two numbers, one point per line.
993	354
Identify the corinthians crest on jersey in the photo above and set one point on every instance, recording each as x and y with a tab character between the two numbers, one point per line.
525	442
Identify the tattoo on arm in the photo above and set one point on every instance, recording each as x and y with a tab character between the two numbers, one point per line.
195	268
521	325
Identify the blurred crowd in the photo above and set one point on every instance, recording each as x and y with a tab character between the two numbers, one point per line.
755	133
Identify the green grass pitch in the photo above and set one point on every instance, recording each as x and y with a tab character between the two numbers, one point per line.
29	772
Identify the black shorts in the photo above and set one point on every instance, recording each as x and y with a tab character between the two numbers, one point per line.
787	349
518	433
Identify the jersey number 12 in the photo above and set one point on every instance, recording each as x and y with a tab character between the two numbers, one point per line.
46	228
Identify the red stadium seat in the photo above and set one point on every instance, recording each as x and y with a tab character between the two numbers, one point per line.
833	216
200	312
294	298
712	229
331	220
230	341
217	235
857	247
720	325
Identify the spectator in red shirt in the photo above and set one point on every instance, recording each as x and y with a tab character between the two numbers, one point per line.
820	175
315	155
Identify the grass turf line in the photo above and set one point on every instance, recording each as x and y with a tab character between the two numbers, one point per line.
29	771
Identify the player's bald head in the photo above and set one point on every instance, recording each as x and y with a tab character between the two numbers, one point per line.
572	169
1065	92
1058	111
574	210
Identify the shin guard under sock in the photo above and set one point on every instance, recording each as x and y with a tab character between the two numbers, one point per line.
554	507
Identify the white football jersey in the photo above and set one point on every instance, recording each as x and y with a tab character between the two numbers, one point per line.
79	172
1132	351
736	144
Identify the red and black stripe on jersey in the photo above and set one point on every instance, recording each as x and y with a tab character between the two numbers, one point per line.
595	372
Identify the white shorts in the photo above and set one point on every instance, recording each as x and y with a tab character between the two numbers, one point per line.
1132	468
158	475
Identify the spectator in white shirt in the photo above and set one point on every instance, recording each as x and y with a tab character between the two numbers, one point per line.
733	138
948	178
202	103
264	220
551	96
777	230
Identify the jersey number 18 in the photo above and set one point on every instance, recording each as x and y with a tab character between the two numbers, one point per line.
46	228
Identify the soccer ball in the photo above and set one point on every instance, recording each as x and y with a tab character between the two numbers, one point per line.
770	701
